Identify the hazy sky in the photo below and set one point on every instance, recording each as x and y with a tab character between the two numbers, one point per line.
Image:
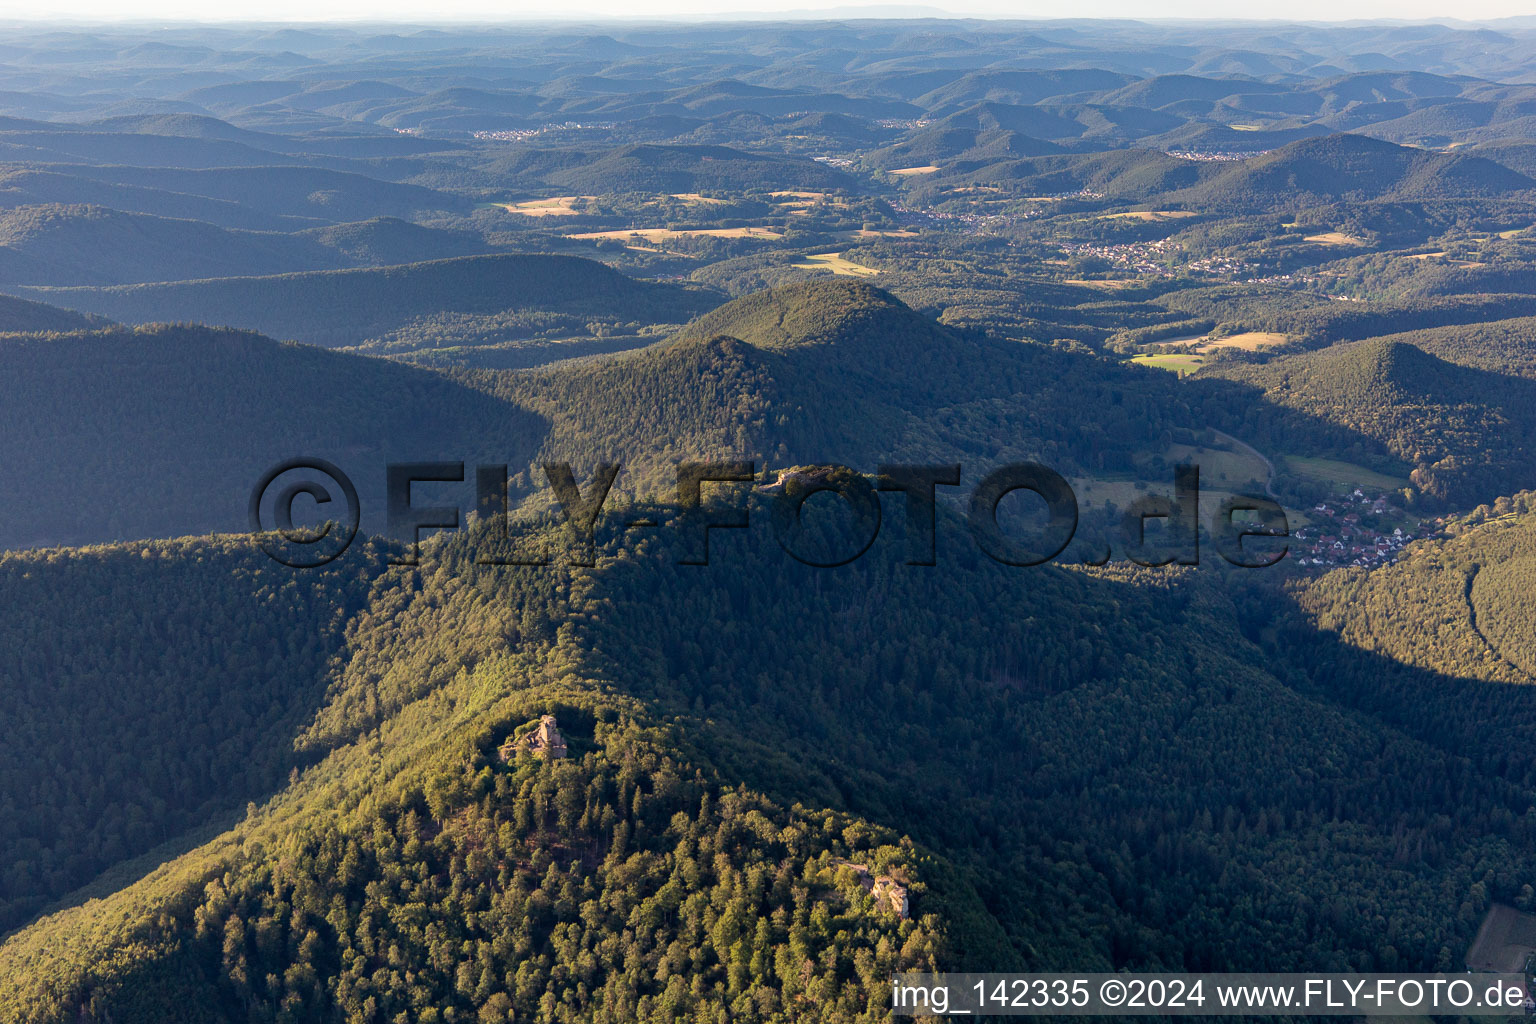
414	11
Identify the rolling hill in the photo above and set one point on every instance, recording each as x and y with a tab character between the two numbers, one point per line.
840	371
656	168
313	194
939	146
348	307
86	245
1466	431
1127	174
1349	167
719	798
90	245
47	184
163	431
645	787
26	316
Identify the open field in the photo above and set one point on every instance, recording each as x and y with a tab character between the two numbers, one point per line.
1335	238
565	206
835	262
558	206
1248	341
905	172
801	202
1108	285
1224	465
1344	474
1179	362
1442	255
654	235
1150	215
1225	471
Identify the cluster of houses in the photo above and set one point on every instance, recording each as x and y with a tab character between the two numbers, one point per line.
1141	257
519	134
1348	531
1301	279
1219	265
1190	154
1160	258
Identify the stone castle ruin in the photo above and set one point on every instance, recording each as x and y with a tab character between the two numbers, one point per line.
545	742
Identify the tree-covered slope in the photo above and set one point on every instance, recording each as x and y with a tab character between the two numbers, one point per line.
23	316
132	720
1353	168
1465	431
345	307
90	245
840	371
1504	346
634	880
1066	767
651	168
1046	758
163	431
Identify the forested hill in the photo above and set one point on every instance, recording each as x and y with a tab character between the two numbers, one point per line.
163	431
137	728
1460	606
840	371
710	796
179	422
1440	645
1351	168
79	244
1289	175
653	168
1506	346
338	308
1466	432
24	316
665	772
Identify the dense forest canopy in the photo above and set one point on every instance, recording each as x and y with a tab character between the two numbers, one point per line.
545	762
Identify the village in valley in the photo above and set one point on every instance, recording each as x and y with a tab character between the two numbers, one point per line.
1356	529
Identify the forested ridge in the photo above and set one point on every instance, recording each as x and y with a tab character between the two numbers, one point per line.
684	857
1465	431
545	776
134	722
842	372
125	433
335	308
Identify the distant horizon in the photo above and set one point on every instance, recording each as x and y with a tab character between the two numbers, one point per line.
75	14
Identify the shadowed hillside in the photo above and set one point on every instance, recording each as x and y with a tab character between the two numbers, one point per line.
164	431
337	308
1467	432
